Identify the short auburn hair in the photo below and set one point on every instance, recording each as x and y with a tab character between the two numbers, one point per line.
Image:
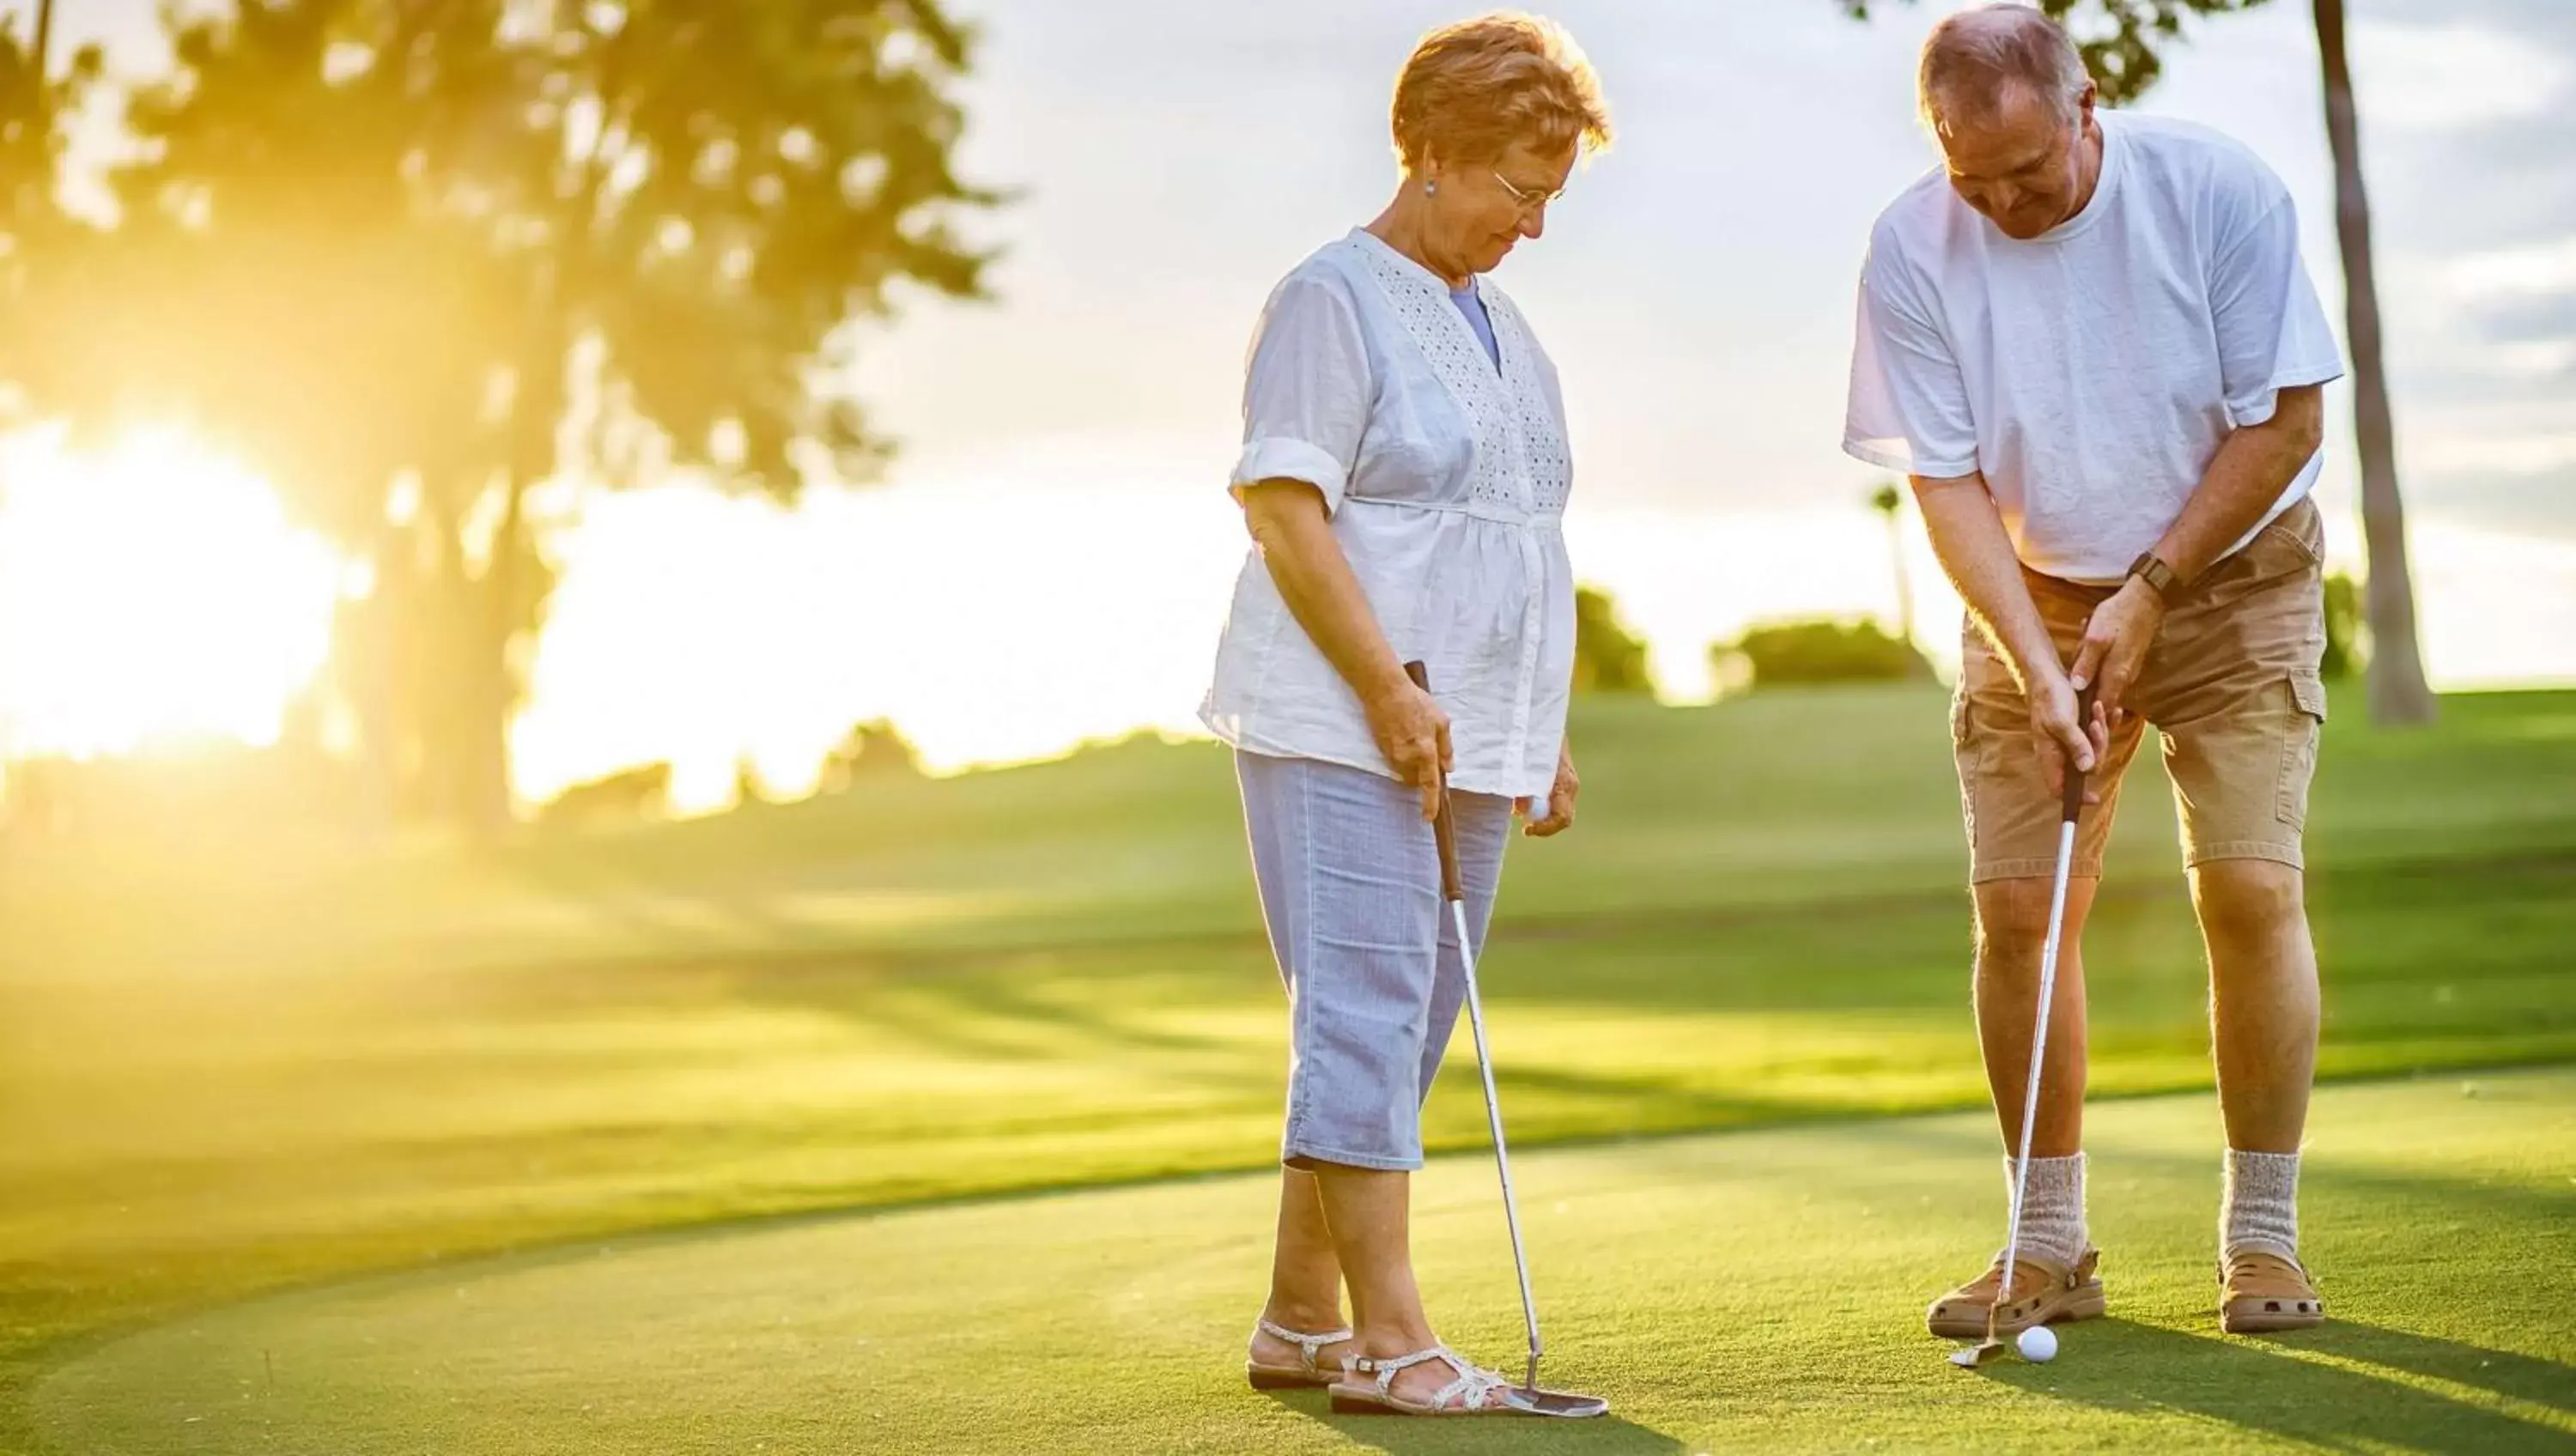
1472	89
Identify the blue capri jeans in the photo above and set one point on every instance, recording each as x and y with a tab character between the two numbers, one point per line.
1350	889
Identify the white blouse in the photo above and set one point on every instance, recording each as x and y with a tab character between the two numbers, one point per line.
1446	480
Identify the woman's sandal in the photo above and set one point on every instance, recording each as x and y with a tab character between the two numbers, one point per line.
1369	1388
1307	1374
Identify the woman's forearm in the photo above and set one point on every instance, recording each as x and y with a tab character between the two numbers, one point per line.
1314	577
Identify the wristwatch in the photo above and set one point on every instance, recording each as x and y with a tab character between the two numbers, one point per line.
2159	577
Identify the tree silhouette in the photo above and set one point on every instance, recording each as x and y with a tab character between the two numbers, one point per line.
33	228
2122	41
416	258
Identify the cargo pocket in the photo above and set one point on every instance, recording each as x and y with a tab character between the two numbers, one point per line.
2286	538
2306	717
1969	749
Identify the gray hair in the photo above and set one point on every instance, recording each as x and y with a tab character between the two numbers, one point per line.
1973	58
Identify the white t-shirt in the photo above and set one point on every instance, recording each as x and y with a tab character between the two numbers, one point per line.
1445	470
2089	374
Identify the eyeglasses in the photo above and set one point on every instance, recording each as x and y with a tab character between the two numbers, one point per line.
1528	200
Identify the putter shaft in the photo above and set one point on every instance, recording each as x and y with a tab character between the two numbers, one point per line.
1494	1123
2072	812
2030	1082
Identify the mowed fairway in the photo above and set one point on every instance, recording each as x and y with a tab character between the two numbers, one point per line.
1744	1292
233	1068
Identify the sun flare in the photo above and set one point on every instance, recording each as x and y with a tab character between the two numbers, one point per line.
150	594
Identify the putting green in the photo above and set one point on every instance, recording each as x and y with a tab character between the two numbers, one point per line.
1747	1291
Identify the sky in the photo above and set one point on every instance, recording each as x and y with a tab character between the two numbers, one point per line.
1048	561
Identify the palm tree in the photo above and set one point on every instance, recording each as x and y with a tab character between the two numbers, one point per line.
2398	693
1887	500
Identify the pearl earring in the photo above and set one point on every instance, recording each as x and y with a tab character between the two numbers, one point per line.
1430	189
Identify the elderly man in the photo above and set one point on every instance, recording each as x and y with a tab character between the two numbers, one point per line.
2091	344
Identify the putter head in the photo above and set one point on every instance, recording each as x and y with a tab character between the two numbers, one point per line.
1983	1353
1560	1404
1528	1399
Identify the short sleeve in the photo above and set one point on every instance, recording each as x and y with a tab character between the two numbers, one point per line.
2272	330
1306	390
1909	403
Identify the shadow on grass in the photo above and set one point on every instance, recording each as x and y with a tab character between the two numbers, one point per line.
2515	1377
2297	1388
1435	1436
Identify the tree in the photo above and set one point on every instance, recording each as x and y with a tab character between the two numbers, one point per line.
2398	692
1888	501
2121	41
416	258
32	103
1608	658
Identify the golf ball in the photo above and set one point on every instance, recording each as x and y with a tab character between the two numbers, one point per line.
2038	1344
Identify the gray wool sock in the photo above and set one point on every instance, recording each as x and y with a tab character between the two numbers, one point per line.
2260	1213
2052	1211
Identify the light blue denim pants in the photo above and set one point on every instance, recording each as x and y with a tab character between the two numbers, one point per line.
1350	889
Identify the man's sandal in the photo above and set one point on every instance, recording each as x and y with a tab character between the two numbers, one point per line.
1308	1373
2044	1292
1369	1388
2261	1293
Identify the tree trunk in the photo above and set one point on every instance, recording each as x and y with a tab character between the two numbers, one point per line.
484	804
508	596
2398	693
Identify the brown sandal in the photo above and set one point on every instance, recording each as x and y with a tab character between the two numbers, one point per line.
2261	1293
2046	1293
1308	1373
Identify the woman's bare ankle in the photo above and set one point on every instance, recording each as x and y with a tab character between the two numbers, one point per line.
1305	1317
1388	1339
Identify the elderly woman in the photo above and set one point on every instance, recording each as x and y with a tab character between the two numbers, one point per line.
1403	476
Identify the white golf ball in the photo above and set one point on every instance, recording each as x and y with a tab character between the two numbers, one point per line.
2038	1344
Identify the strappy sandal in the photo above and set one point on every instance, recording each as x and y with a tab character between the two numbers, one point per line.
2049	1293
1476	1392
2261	1293
1307	1374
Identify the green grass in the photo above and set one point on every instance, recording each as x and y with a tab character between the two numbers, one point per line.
226	1068
1751	1292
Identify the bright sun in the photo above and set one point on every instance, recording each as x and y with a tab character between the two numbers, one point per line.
150	594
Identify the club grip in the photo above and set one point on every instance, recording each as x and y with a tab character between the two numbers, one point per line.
1444	825
2073	807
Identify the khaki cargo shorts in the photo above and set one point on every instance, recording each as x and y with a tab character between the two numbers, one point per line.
2231	685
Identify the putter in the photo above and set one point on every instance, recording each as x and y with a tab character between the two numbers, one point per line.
1527	1397
2072	807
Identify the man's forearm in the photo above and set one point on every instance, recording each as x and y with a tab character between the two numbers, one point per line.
2244	480
1968	535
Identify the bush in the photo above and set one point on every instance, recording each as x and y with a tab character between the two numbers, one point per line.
2344	651
1608	658
1788	653
624	797
868	749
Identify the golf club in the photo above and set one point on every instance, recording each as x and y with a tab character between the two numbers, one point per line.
1526	1397
2072	809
